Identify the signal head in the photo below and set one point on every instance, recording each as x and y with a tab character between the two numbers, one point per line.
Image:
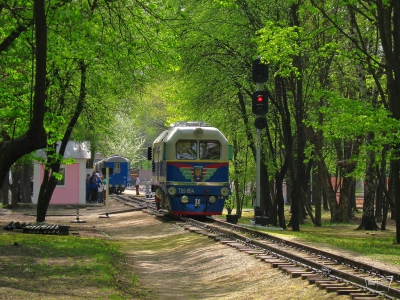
259	71
260	122
260	103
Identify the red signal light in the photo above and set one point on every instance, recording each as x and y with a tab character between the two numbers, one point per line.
259	103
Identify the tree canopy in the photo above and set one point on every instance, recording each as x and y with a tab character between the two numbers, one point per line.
117	72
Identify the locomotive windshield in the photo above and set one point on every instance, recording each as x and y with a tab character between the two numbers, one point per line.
209	150
187	149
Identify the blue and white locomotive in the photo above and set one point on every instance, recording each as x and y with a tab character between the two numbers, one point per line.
118	169
190	169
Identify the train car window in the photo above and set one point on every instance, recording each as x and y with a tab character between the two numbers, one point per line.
210	150
186	149
117	168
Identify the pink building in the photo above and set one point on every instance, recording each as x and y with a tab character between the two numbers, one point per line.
71	189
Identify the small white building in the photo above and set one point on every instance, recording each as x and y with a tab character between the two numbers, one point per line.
72	188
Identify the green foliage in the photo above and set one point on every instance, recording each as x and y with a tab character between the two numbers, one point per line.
278	44
230	204
226	3
151	63
128	142
346	119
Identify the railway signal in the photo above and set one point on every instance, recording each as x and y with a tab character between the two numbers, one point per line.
260	122
259	71
260	103
259	106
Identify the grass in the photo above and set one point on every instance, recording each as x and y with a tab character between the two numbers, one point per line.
77	266
379	245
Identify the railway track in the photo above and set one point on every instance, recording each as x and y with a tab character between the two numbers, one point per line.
334	273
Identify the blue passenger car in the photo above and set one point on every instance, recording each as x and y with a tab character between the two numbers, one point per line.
190	169
118	167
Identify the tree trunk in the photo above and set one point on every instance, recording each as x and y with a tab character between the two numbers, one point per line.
314	183
25	184
293	164
319	178
288	191
280	204
273	215
49	181
325	204
368	218
329	192
15	186
47	187
11	148
5	188
237	194
379	204
273	211
279	200
265	195
383	192
318	204
389	29
395	172
353	200
344	199
235	180
307	208
385	212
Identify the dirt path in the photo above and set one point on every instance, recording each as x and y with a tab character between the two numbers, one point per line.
172	263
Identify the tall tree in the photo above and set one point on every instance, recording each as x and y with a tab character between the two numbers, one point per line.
86	70
14	145
385	17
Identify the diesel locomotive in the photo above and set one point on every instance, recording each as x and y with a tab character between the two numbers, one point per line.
119	176
190	169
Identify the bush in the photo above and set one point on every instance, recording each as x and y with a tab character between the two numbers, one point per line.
230	204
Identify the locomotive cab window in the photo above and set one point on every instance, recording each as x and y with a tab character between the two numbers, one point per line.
117	168
186	149
210	150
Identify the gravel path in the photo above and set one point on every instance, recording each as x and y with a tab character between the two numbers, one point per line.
172	263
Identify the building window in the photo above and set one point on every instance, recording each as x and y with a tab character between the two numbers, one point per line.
62	181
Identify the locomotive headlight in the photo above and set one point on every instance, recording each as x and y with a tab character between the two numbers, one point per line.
123	186
198	132
212	199
159	193
172	190
185	199
224	191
